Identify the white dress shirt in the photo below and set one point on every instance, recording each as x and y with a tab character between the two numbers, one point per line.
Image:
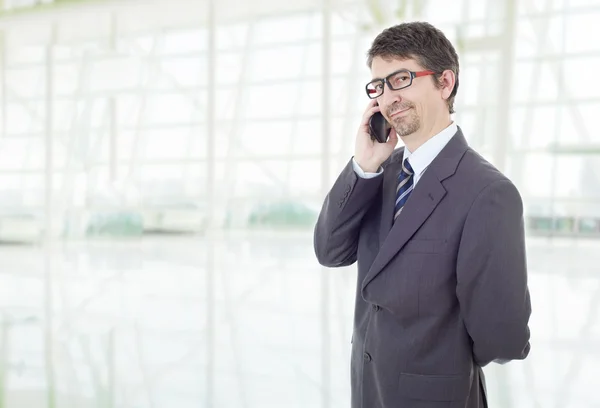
421	158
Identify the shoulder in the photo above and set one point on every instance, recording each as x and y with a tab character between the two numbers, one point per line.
484	181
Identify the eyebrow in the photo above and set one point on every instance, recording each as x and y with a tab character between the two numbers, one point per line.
393	72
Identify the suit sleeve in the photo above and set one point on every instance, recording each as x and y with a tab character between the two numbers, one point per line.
492	276
337	229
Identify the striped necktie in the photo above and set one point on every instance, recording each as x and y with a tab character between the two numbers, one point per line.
405	187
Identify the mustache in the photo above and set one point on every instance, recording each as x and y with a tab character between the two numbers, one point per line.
398	107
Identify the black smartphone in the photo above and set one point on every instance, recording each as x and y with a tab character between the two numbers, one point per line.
379	127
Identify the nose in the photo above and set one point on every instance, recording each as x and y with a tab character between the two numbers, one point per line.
389	97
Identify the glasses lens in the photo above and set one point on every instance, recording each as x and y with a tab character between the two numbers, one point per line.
400	80
374	89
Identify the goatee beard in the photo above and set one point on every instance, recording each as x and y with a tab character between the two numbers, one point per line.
407	125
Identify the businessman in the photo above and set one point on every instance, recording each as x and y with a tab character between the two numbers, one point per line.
438	236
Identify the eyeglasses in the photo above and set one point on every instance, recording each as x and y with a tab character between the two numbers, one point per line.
396	80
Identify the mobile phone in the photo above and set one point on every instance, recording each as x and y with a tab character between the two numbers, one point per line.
379	127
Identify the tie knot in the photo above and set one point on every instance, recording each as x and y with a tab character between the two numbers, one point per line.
406	167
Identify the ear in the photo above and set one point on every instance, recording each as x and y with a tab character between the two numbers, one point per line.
447	82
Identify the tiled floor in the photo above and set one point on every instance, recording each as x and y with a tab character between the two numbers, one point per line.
247	321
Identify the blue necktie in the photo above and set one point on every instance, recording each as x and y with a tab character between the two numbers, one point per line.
405	187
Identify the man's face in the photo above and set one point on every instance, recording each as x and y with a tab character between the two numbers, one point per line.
412	108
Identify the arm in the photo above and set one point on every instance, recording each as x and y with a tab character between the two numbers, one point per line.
338	225
492	276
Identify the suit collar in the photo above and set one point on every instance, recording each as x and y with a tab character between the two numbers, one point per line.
446	163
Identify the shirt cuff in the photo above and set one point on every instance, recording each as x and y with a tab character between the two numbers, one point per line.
362	174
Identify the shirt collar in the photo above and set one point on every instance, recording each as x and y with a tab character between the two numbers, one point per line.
421	158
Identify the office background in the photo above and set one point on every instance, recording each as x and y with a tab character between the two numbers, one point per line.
162	164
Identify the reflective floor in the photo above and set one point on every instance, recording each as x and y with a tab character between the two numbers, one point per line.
247	321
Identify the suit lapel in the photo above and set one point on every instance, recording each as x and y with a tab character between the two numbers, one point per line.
426	196
423	200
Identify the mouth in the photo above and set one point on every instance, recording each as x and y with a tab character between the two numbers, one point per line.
400	112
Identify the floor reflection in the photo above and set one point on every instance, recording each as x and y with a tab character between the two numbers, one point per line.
127	323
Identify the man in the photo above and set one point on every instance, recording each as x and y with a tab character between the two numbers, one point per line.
438	235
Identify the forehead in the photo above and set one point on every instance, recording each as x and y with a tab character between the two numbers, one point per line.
382	67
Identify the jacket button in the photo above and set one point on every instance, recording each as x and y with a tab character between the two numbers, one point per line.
367	357
375	308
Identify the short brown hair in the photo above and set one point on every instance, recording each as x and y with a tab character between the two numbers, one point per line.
420	41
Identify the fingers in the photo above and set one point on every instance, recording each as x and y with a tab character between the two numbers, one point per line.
368	113
372	102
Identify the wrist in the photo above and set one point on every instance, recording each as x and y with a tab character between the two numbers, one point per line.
366	166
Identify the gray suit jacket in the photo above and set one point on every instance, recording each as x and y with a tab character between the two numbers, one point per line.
443	291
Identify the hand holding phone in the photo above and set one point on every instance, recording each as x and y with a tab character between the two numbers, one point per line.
375	140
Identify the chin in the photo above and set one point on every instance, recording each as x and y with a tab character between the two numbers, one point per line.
404	131
406	125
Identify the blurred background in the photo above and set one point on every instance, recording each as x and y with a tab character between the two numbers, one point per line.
162	165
